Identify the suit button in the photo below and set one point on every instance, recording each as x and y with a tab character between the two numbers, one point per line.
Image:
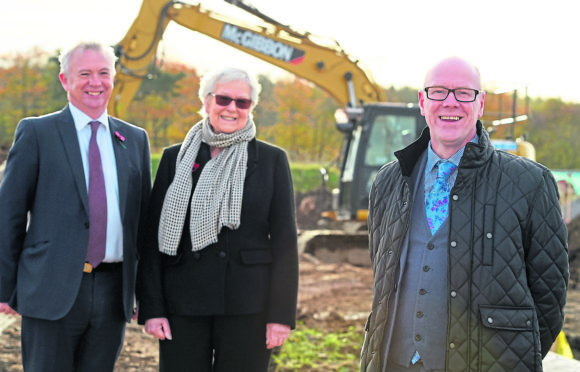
222	254
87	225
196	255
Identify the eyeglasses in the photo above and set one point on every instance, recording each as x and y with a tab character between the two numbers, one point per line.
461	94
241	103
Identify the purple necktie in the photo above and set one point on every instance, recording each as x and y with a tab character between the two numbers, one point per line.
97	202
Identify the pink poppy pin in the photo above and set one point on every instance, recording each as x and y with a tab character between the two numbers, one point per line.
120	139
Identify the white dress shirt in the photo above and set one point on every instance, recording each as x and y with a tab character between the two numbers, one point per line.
114	250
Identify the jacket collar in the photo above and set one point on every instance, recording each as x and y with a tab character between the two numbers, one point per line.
474	156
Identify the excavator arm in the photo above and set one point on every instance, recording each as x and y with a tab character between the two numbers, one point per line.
323	62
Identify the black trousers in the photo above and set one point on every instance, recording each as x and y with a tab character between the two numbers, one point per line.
215	344
88	339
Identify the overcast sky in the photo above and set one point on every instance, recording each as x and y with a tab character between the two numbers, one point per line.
516	43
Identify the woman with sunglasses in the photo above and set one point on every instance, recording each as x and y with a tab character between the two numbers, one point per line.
218	275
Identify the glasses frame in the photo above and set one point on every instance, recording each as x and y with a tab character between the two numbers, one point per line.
241	103
451	91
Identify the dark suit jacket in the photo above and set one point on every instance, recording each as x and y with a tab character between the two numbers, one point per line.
251	269
44	215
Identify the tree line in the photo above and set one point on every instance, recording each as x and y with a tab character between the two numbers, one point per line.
292	113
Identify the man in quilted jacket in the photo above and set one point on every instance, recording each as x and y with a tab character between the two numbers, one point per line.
468	245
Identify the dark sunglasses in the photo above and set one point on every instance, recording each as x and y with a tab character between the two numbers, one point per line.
241	103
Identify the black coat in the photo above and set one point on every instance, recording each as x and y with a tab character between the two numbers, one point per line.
249	270
507	258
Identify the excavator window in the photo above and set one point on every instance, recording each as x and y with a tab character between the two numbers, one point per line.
389	134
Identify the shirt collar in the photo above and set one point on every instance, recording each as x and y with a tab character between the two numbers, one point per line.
433	158
81	119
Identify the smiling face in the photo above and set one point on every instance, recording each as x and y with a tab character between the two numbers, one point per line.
451	123
89	81
228	119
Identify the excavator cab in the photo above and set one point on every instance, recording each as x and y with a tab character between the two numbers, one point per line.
372	134
370	140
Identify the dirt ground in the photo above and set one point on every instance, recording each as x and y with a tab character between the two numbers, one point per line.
332	296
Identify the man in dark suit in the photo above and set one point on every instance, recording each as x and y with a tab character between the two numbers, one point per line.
75	185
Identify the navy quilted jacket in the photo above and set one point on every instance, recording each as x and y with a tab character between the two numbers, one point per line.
508	258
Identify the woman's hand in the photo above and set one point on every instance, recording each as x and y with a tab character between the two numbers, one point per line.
276	334
158	328
6	309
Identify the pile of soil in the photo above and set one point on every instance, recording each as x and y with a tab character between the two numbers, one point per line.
309	208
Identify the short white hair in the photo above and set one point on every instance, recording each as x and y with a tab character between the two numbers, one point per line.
65	55
225	75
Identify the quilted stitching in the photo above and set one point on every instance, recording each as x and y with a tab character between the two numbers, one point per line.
520	203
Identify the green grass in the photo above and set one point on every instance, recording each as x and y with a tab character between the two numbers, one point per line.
155	158
310	349
307	177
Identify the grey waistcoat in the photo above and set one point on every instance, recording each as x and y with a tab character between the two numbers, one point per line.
421	308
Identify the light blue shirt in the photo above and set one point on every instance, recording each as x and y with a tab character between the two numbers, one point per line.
114	250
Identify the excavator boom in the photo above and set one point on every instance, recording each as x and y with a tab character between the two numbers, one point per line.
322	62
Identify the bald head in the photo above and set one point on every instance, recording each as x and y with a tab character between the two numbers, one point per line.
456	67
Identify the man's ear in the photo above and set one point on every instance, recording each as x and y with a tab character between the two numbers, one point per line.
421	97
63	80
481	104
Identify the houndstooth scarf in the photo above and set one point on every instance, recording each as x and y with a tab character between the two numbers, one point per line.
217	198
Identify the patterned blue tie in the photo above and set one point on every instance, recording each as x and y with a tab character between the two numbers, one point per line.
438	199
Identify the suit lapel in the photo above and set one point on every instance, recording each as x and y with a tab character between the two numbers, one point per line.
121	161
68	134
